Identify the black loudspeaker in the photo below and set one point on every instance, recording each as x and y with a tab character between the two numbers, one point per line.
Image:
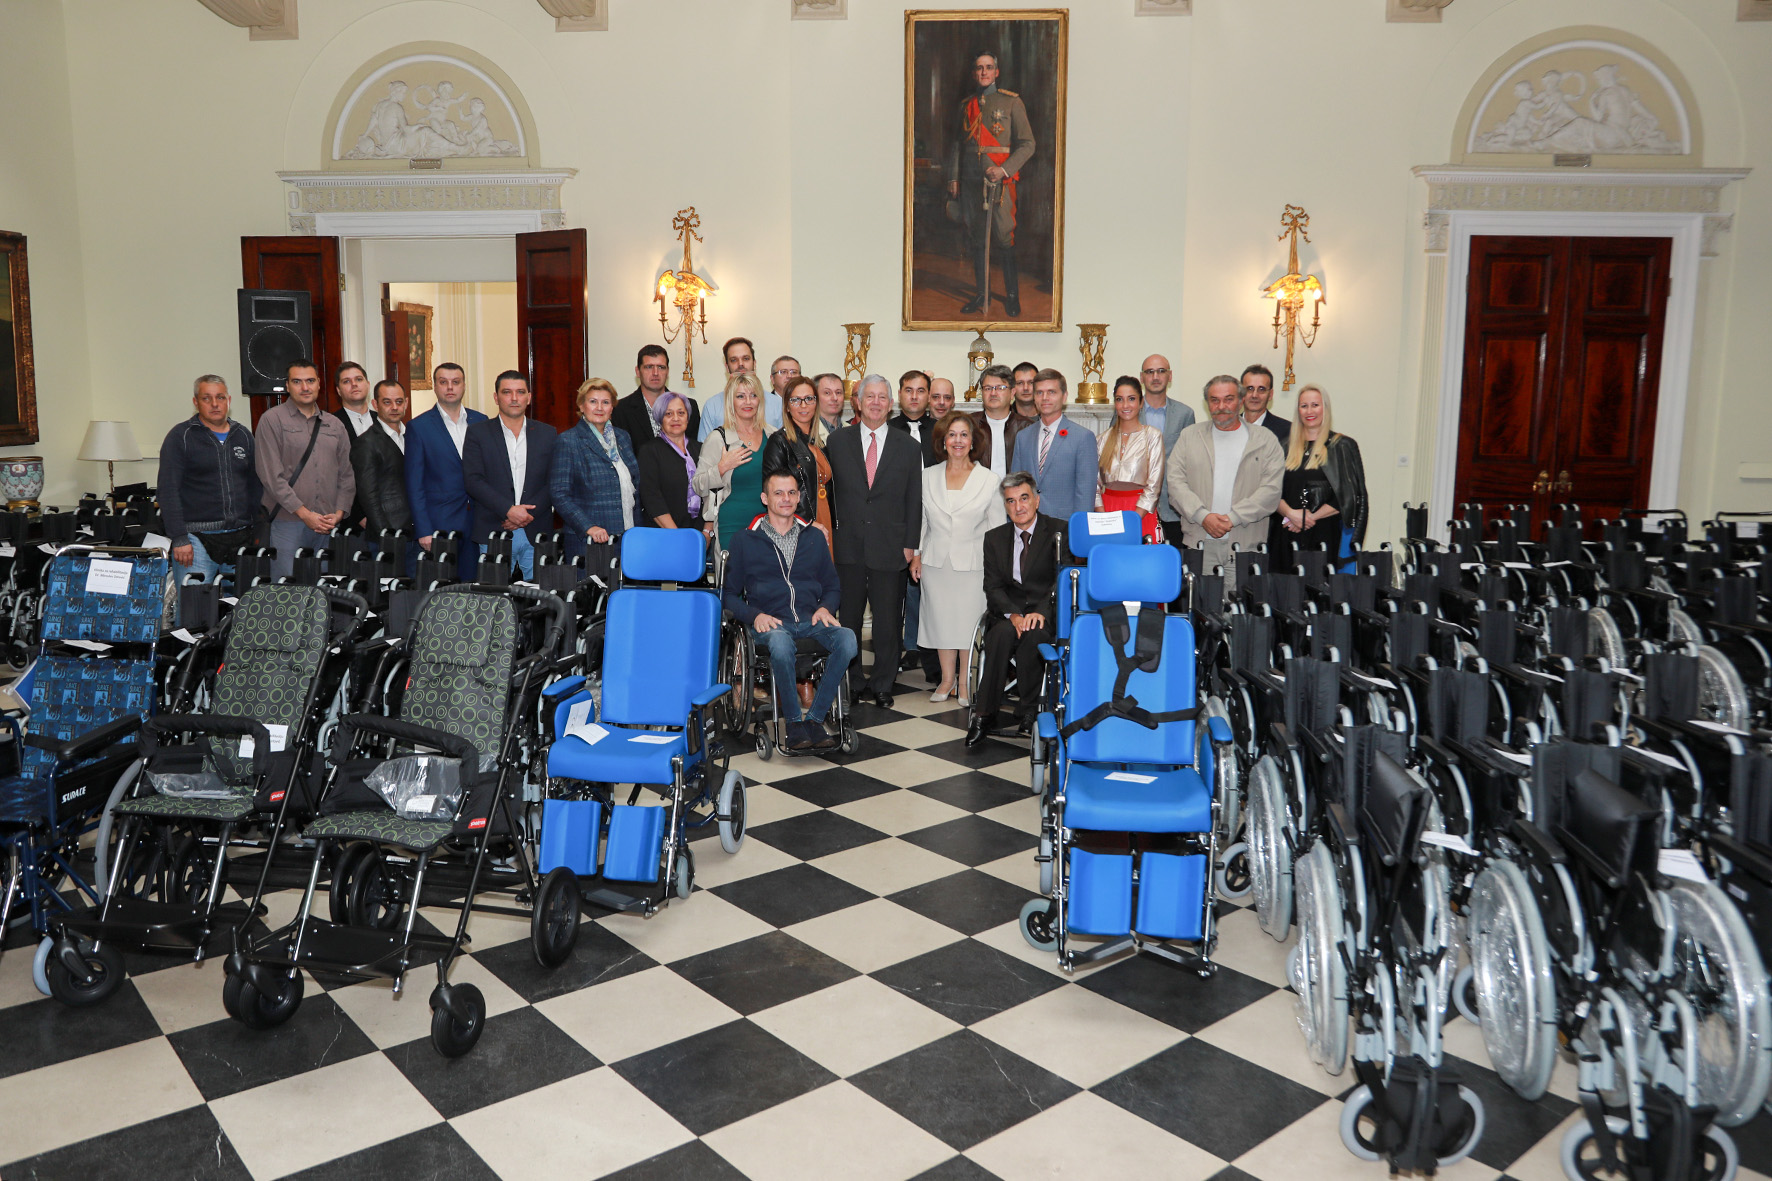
276	327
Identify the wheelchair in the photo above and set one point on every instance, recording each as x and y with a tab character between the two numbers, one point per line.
428	799
1129	830
91	686
200	803
653	728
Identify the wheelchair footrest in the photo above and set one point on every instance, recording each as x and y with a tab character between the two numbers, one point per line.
571	833
349	951
615	900
146	925
636	842
1170	894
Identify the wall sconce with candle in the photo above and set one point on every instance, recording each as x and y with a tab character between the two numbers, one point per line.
1292	291
687	292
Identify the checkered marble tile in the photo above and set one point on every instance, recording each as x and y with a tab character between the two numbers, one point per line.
848	996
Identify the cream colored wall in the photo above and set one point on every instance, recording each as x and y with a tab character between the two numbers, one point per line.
1186	137
472	324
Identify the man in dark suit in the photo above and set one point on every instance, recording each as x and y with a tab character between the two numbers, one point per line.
1021	593
1258	396
434	444
378	458
505	467
877	480
357	415
633	414
913	415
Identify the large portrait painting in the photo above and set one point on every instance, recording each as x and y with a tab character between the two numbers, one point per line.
984	169
18	378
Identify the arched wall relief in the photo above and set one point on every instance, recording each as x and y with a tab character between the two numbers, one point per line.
429	101
1586	92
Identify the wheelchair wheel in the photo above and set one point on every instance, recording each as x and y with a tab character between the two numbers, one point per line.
104	967
1682	628
1038	919
975	659
1722	697
1318	973
453	1036
685	880
1233	873
193	865
375	899
731	805
765	746
255	1009
1719	1159
736	671
553	923
1717	965
1464	996
1604	638
344	872
40	964
1515	991
1270	864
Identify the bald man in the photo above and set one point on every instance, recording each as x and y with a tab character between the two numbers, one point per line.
1169	415
941	398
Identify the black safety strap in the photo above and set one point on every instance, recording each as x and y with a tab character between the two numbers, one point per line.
1146	655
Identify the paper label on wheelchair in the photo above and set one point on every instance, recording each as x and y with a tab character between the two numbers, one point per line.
1515	756
1448	840
88	645
1657	756
1716	727
279	736
419	805
47	548
654	739
156	541
1101	524
579	724
1680	863
1129	777
108	578
184	635
1747	528
8	550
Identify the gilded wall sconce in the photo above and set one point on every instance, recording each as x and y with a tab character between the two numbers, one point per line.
686	292
1292	291
1092	390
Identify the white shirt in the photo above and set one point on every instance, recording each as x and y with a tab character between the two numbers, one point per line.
517	451
878	435
457	426
396	433
1227	453
999	428
361	420
916	425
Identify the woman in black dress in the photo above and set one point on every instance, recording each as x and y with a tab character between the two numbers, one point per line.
1324	490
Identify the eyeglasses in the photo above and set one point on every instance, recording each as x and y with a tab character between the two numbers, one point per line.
802	400
784	373
1153	372
994	389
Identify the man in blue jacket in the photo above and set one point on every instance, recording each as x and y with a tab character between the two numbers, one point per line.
1058	450
434	444
781	582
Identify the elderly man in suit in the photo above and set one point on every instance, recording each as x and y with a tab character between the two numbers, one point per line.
1058	450
1224	479
1021	595
877	479
1171	416
505	469
434	444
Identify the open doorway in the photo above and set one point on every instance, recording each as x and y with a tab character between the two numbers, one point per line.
471	324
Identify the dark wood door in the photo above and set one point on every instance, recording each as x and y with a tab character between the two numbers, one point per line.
1562	359
396	343
302	263
551	338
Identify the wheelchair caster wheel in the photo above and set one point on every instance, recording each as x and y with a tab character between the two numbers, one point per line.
851	741
102	974
1464	995
1718	1158
685	878
40	965
765	748
1359	1128
262	1010
1234	880
732	806
455	1032
1037	919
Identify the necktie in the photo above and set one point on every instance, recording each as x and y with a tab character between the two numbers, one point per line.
873	456
1045	446
1027	539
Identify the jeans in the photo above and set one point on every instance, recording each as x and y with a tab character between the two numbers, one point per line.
522	554
288	535
838	641
201	563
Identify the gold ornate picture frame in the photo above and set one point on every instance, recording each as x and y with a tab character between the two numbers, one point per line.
951	208
421	345
18	365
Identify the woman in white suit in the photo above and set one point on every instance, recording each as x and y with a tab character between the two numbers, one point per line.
960	505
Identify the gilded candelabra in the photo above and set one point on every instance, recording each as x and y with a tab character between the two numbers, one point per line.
855	355
687	292
1092	390
1292	291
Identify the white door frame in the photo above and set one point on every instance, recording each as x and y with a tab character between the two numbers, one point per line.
1687	232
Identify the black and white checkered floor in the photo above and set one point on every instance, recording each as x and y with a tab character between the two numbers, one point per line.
848	996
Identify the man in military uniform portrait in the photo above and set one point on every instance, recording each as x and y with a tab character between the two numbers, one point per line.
984	162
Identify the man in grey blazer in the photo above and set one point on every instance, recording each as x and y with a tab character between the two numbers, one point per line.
1059	451
1168	415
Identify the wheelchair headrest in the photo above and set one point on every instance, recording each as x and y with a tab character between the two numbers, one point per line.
1135	574
1089	530
663	555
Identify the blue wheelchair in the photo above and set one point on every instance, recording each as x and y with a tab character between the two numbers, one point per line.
1130	818
655	728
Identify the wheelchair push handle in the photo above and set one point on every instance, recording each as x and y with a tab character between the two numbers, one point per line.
556	608
357	603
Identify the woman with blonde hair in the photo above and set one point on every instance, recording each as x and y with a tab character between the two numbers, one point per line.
1323	495
596	476
730	472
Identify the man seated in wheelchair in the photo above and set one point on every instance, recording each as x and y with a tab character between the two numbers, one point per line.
781	583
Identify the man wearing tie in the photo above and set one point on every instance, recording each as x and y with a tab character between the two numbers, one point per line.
1021	596
505	467
1059	451
877	478
434	444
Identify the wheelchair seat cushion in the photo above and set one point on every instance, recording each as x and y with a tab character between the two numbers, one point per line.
625	756
382	827
464	645
1108	799
187	808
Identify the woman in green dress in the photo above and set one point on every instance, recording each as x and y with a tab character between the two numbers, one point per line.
730	473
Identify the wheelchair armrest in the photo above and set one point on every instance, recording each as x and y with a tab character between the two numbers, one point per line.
1757	861
1343	825
1048	653
451	744
214	724
710	695
1527	676
1218	728
1283	736
1546	845
1047	725
89	743
563	686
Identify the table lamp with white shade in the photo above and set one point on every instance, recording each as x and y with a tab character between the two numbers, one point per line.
109	443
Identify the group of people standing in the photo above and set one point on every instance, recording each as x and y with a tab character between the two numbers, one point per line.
828	507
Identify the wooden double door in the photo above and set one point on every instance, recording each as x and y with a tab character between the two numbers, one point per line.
1562	361
551	327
